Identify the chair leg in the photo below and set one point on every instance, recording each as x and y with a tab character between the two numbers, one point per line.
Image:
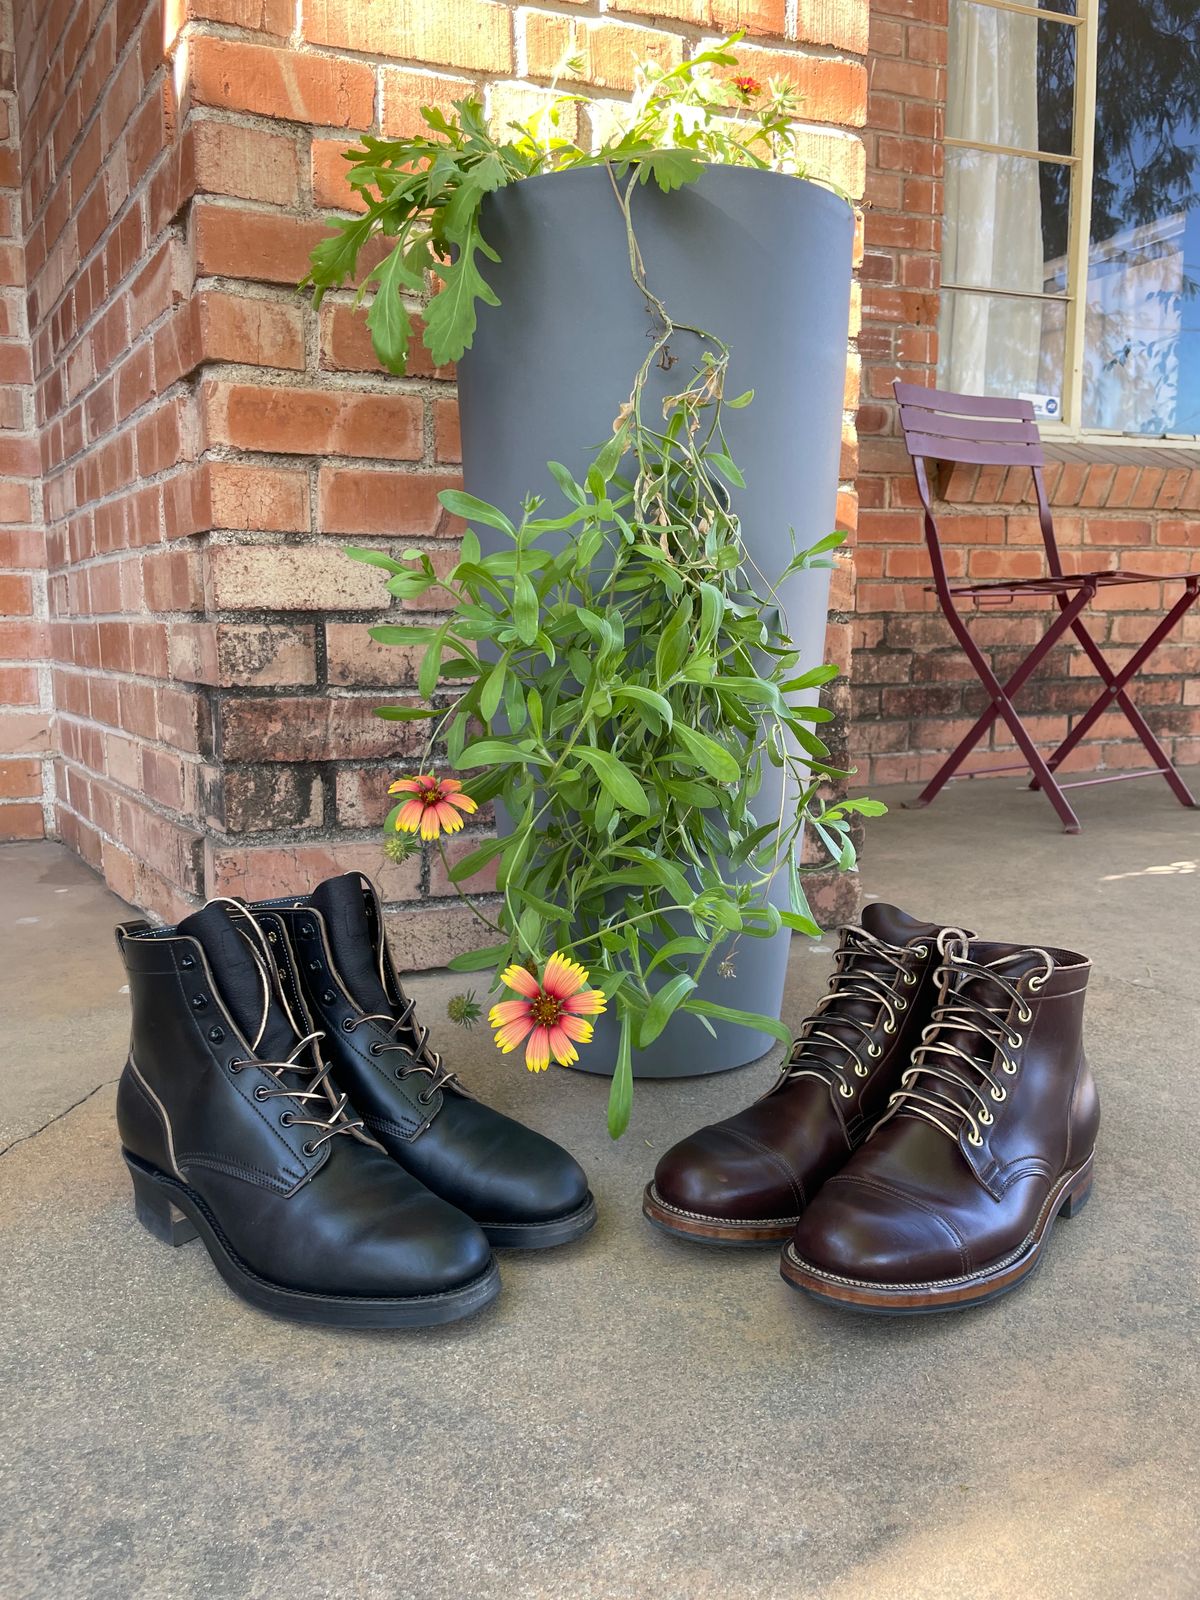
1114	693
1002	705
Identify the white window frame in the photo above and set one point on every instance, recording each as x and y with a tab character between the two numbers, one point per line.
1081	160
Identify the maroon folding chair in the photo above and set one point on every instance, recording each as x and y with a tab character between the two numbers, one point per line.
940	426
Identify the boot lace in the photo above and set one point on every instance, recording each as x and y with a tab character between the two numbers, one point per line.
316	1089
939	1061
421	1057
853	981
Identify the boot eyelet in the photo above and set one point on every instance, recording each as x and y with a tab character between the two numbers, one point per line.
309	1148
910	978
900	1003
889	1026
236	1065
1015	1041
375	1049
1010	1067
860	1071
874	1051
985	1117
187	962
1036	983
974	1139
328	996
921	950
216	1034
199	1001
286	1119
261	1093
999	1094
1025	1015
846	1090
314	966
348	1023
306	930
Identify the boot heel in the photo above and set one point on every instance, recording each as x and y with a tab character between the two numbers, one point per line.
1078	1197
154	1210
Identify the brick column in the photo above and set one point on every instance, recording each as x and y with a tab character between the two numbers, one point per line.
210	442
26	777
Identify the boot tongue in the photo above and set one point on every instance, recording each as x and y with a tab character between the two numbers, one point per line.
239	980
352	939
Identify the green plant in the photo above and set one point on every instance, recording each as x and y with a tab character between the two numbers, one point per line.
625	673
425	192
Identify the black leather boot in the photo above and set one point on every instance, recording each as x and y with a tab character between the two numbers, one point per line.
522	1189
231	1131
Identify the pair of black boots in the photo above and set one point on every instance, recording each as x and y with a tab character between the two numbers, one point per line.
282	1102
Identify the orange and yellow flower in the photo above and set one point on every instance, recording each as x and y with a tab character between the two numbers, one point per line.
436	806
747	87
552	1013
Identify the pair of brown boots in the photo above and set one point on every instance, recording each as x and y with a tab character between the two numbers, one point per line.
936	1115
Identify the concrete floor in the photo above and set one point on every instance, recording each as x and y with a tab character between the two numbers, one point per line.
634	1417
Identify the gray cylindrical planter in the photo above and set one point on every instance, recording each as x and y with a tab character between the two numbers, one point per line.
763	261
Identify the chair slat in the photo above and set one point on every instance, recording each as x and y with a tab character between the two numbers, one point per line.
1003	430
983	452
962	405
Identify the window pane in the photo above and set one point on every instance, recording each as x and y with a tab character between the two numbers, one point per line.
998	345
1011	79
1006	222
1142	326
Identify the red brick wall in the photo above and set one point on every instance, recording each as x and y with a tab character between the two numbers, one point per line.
25	771
209	442
914	695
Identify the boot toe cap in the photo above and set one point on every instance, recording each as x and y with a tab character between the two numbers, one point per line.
852	1231
715	1173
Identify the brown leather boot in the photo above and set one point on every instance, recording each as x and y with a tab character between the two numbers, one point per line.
988	1138
746	1180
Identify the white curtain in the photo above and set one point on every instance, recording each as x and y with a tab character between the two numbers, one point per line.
993	230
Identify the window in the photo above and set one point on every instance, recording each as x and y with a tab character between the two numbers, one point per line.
1071	248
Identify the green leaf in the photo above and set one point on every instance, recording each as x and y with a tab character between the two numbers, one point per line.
616	778
670	169
708	754
741	400
525	609
431	663
402	633
811	679
489	699
374	558
656	703
494	753
620	1097
744	1019
472	509
450	318
685	945
387	316
726	468
477	960
662	1007
467	866
406	713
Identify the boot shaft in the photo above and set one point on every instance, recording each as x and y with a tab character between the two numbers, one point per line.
202	1082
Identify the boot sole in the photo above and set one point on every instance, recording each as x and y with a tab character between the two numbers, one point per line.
176	1214
696	1226
1066	1199
542	1235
